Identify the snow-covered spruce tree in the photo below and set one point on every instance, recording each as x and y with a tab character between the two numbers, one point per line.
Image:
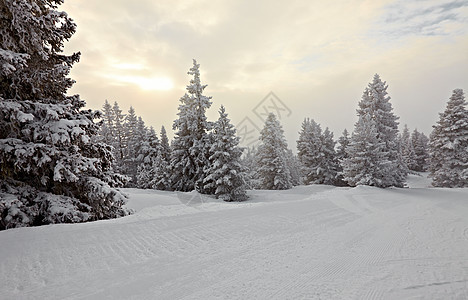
162	164
343	143
294	166
133	138
308	146
329	165
249	163
421	150
367	159
191	141
50	170
225	173
448	144
407	149
341	155
316	152
106	134
272	167
165	147
149	151
375	106
120	143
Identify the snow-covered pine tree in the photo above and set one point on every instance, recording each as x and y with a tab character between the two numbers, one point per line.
407	149
341	155
191	142
375	103
162	164
294	166
249	163
367	158
225	174
149	151
317	154
51	171
106	134
165	147
343	143
421	144
308	146
141	133
272	168
449	144
329	164
133	139
120	142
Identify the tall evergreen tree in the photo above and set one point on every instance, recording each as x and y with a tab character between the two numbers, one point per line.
272	169
308	146
421	145
317	154
343	143
249	163
341	155
191	142
120	142
162	167
148	154
133	139
375	107
367	159
449	144
106	132
165	147
51	171
407	149
329	165
294	166
225	174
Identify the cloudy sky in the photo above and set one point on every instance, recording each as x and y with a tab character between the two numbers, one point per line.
315	56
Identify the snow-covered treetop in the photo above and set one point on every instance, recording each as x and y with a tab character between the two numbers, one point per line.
32	36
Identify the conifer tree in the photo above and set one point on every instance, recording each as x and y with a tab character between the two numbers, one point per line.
294	167
343	143
250	165
225	174
133	139
449	144
162	168
329	164
120	142
317	154
367	158
149	151
165	147
191	142
421	144
51	169
375	107
106	134
341	155
407	149
272	169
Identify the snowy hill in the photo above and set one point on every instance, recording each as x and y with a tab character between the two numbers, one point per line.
308	242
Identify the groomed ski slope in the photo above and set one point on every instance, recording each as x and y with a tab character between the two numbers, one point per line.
315	242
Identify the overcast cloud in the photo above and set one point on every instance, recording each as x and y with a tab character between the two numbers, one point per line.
316	56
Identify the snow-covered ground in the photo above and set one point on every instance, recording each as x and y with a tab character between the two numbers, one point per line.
309	242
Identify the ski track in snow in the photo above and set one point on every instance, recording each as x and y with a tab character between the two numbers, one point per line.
311	242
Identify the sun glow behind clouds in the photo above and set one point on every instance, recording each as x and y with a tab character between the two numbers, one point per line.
146	83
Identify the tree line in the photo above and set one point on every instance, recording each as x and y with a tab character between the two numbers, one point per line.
63	163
